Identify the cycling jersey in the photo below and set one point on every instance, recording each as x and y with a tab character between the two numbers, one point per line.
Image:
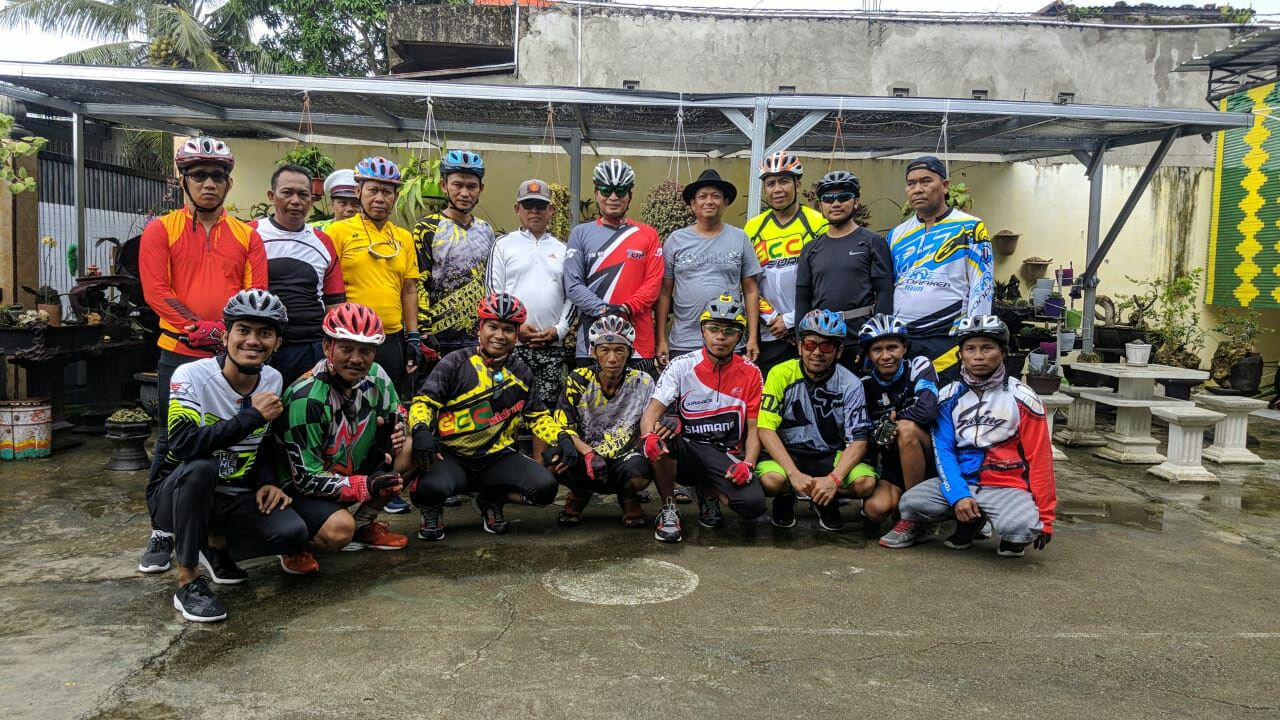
209	419
778	250
609	424
476	410
997	439
912	392
942	273
452	260
614	265
375	263
811	418
332	440
715	401
188	275
304	272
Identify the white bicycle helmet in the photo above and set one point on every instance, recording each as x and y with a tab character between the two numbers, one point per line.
204	150
614	172
611	329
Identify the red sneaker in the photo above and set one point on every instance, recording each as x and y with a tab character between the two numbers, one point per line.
376	535
304	563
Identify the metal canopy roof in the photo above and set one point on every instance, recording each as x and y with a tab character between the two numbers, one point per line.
388	110
1247	63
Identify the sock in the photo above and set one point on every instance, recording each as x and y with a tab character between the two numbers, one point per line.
365	514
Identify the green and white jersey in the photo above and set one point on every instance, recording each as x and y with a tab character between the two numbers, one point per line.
208	418
811	418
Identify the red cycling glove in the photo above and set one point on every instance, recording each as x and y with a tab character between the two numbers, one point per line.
207	334
653	447
740	473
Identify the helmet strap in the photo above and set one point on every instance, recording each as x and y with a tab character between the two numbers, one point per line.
196	209
244	369
492	361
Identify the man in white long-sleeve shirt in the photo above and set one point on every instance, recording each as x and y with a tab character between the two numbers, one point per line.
529	264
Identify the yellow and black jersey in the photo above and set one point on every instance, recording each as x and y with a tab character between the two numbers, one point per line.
475	409
610	424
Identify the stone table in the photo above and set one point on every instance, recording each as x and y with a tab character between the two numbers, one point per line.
1135	396
1052	404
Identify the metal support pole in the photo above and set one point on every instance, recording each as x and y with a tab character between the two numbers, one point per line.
575	177
78	189
1095	170
759	126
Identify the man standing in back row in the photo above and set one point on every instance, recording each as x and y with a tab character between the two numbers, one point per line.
942	266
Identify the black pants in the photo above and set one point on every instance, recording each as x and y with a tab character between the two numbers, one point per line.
188	504
296	357
390	356
169	362
492	476
619	474
941	349
703	466
773	353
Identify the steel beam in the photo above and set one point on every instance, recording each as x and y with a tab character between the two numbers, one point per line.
797	131
79	189
39	98
178	99
573	146
1094	169
280	130
759	126
369	106
739	120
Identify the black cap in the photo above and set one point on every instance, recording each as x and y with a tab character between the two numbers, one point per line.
930	163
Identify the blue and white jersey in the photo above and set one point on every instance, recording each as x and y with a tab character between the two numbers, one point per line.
942	273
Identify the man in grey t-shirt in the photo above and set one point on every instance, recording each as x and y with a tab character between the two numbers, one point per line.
701	262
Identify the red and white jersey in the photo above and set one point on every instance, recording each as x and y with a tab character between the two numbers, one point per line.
714	401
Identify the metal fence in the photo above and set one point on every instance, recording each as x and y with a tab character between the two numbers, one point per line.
118	203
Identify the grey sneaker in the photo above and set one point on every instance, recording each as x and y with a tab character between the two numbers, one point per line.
904	534
666	528
197	603
156	558
1010	550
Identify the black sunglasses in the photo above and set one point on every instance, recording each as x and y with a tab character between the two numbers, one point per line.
619	190
836	197
534	205
202	175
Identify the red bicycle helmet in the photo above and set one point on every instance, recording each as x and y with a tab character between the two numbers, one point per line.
355	322
198	150
502	307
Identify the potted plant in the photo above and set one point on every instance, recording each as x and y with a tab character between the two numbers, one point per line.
1044	379
1083	378
1172	319
128	430
1054	305
1236	363
1137	353
421	191
665	209
13	176
1005	242
310	157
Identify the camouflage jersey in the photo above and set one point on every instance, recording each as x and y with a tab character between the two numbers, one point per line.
609	425
451	262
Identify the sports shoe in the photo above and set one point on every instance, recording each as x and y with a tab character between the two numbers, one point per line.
494	521
666	528
709	515
684	496
904	534
156	558
220	567
197	603
1011	550
985	532
396	506
432	527
571	513
784	510
304	563
962	538
643	497
828	516
375	535
453	501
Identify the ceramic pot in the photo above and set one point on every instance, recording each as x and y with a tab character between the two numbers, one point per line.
128	440
1137	353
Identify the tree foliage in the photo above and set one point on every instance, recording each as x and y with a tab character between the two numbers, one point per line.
335	37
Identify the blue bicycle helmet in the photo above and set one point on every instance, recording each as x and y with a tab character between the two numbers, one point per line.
881	325
461	161
822	322
378	168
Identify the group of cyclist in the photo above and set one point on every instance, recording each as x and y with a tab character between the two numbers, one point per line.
801	358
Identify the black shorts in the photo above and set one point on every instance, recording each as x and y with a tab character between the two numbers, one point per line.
703	466
618	473
315	512
889	465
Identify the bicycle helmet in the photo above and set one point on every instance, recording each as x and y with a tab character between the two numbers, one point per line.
982	326
615	173
611	329
456	161
727	307
826	323
355	322
340	183
255	304
377	168
502	307
881	325
203	150
839	179
781	163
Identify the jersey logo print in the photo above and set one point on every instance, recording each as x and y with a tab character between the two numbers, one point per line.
953	244
608	264
826	402
344	440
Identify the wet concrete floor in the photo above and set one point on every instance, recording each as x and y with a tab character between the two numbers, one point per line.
1152	601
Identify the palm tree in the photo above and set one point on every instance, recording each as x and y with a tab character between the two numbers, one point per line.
192	34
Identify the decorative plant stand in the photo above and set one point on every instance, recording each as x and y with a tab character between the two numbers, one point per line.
1186	436
129	440
1232	432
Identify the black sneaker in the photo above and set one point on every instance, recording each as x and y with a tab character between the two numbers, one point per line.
683	496
432	527
1010	550
643	497
453	501
962	538
397	506
197	603
828	516
709	515
666	527
494	521
220	567
784	510
156	558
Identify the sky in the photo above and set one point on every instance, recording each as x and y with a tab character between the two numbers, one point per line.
35	46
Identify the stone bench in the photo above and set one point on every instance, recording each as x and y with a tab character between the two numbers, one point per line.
1080	431
1231	433
1131	442
1052	404
1186	438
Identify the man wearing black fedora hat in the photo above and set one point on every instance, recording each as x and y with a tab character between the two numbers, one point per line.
703	261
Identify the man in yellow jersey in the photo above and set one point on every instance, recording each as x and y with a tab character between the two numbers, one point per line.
381	268
778	235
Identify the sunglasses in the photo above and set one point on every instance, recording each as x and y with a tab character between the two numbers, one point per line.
203	175
836	197
534	205
619	190
826	346
726	330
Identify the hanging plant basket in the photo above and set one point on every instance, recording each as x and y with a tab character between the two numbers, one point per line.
1005	242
